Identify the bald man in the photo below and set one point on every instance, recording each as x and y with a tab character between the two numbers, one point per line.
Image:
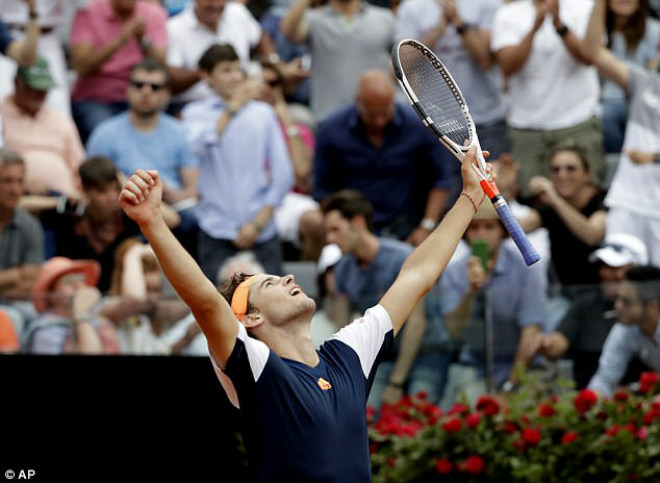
379	147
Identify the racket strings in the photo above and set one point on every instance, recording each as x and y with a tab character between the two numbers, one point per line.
437	94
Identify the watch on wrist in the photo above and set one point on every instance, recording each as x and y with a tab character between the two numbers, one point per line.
428	224
462	28
562	30
293	131
656	158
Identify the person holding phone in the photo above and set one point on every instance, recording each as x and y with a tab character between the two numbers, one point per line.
493	279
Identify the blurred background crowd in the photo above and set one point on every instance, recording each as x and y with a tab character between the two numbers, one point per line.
285	145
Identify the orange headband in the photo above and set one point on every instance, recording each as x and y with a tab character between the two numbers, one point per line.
239	301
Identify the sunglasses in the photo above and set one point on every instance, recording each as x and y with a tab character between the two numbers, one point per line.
570	168
154	86
274	82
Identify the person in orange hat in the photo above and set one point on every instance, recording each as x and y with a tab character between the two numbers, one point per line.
64	294
8	336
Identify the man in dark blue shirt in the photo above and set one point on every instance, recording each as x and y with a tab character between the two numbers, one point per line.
303	410
380	148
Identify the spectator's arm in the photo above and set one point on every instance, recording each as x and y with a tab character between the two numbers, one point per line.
434	205
293	25
524	354
613	361
21	289
25	51
531	221
189	177
572	42
9	278
512	58
411	340
475	40
86	57
604	60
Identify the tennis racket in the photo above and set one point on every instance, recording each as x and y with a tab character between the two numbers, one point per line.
439	103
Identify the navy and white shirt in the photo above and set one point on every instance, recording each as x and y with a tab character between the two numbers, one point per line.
305	423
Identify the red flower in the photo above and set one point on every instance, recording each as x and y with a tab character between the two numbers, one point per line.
422	395
643	433
510	427
488	405
474	464
531	436
458	408
371	414
613	430
452	425
632	477
443	466
621	396
472	420
585	400
648	381
569	437
434	413
650	415
520	445
546	410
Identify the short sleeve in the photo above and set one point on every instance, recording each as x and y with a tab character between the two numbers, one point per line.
367	336
5	38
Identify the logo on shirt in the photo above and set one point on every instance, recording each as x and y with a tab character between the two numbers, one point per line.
323	384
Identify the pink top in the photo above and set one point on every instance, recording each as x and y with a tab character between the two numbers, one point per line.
97	24
49	144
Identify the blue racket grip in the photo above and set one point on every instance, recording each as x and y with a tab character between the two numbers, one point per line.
526	248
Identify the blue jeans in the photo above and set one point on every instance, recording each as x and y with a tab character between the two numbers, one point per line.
212	253
615	117
89	114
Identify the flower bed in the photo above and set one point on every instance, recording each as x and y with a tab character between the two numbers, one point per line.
524	437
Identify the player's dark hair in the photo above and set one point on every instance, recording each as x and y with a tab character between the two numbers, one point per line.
349	203
97	172
646	280
228	288
215	54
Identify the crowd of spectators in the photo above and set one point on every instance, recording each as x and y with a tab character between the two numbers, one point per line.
281	136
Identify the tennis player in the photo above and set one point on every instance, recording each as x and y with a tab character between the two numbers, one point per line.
303	411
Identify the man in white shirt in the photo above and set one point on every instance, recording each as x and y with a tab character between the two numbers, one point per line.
200	25
553	92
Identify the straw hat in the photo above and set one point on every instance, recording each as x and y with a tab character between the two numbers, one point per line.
56	268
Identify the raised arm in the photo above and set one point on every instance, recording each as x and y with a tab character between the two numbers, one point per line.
293	25
25	51
141	198
512	58
425	264
604	60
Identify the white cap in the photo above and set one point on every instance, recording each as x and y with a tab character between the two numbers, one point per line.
621	249
330	255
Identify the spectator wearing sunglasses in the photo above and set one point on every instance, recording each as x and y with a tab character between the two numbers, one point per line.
151	139
637	333
108	37
571	207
